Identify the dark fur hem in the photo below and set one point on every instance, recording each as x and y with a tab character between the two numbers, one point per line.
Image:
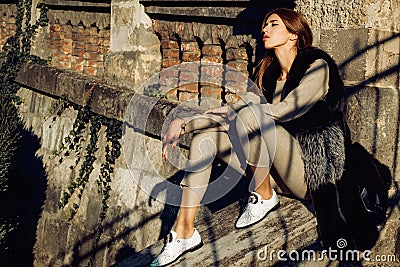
323	154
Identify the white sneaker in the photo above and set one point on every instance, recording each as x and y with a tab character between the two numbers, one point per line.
174	248
256	209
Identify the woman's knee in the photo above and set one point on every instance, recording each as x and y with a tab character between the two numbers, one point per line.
204	142
252	117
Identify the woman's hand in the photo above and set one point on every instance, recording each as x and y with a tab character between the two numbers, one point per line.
172	135
221	111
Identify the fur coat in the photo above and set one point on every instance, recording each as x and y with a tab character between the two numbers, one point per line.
335	187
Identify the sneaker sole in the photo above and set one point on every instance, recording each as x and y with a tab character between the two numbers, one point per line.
262	218
196	247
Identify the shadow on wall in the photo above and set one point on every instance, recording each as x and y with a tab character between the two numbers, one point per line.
24	201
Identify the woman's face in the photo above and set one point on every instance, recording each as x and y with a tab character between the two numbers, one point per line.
275	33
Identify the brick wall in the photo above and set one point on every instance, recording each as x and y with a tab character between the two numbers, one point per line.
182	42
7	22
79	44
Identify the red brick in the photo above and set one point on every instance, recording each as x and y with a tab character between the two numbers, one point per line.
66	28
66	58
169	62
104	34
104	50
100	58
55	28
170	53
56	54
78	37
54	35
81	29
239	65
78	45
91	47
93	31
189	87
100	64
90	63
90	56
90	70
106	42
78	52
77	67
93	40
66	49
78	60
190	47
212	50
210	91
236	53
186	96
66	35
169	44
55	42
212	59
65	65
190	57
66	43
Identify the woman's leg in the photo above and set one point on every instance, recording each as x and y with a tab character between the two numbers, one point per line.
288	165
204	148
270	144
256	131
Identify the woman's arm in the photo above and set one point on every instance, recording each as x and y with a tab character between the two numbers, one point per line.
313	87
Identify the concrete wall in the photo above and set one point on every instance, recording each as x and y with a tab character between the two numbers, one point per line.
134	48
131	224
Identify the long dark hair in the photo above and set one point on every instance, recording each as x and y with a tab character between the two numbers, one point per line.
295	23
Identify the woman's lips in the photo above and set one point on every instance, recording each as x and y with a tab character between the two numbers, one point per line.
265	37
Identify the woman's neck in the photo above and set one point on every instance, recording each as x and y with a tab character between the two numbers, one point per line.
285	57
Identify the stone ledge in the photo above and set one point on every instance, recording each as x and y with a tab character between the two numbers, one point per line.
237	9
102	99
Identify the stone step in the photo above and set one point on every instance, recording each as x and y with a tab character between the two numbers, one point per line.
292	226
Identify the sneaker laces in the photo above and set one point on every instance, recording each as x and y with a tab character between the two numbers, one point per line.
253	199
168	238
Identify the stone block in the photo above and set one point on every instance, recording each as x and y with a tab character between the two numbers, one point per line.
368	56
383	58
349	55
373	118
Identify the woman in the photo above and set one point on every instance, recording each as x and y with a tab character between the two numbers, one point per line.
303	90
